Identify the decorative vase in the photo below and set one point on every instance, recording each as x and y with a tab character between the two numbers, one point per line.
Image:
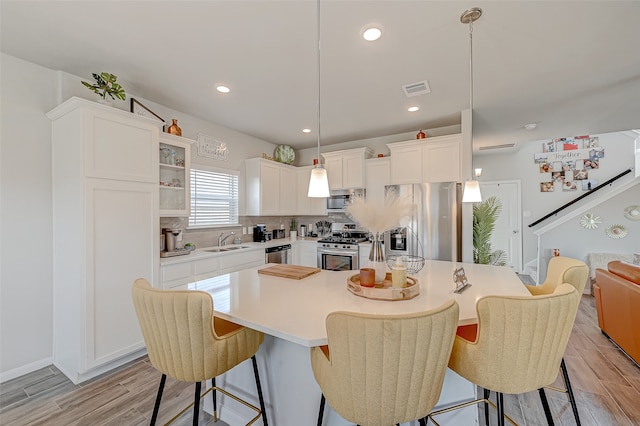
376	259
174	129
421	135
104	101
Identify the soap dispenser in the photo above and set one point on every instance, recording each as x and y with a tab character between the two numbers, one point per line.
399	274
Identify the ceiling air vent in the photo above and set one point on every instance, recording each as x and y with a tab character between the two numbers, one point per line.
505	145
416	89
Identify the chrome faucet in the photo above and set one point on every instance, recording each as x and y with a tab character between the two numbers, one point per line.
223	241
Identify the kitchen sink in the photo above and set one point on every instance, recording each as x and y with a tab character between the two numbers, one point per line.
224	248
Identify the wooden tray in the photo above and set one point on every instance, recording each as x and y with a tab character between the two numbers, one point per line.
384	291
295	272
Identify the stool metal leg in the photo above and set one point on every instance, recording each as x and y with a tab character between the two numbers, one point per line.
255	372
486	395
500	406
196	404
321	412
572	398
215	400
545	406
156	407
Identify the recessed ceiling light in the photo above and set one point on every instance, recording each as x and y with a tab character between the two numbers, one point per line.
222	89
306	130
413	108
371	32
530	126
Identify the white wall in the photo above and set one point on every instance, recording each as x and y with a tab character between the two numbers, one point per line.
26	277
619	156
26	271
575	241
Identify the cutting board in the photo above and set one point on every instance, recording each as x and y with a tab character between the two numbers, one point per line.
289	271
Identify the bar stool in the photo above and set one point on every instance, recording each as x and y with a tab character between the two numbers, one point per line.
571	271
562	270
518	348
188	343
384	369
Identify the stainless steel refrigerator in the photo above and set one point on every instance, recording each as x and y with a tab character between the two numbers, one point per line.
435	230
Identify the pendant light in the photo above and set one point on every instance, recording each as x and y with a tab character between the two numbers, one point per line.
471	193
318	182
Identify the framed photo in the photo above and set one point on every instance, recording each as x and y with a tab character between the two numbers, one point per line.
138	109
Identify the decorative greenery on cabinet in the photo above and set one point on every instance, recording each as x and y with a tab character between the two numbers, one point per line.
485	215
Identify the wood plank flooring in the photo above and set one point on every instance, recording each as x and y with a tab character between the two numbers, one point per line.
605	381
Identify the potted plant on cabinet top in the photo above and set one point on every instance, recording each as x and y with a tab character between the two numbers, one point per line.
106	85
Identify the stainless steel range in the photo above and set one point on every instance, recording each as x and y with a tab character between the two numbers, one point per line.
339	252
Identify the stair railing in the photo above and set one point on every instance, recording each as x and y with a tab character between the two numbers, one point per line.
575	200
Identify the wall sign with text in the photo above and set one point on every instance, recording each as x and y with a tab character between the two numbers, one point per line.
568	163
212	148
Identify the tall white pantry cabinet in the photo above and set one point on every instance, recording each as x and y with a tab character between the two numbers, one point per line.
106	222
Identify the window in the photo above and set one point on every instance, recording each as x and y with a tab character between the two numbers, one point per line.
214	198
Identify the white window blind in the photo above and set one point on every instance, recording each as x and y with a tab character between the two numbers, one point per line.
214	198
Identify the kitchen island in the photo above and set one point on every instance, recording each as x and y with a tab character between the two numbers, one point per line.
292	315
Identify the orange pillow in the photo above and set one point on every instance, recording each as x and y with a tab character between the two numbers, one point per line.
468	332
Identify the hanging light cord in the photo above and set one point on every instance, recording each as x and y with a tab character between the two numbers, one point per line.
318	25
471	65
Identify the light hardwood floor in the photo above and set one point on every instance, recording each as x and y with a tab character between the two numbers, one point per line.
605	381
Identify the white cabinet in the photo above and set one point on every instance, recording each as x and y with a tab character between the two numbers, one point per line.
238	261
270	188
305	253
345	169
175	274
406	162
288	190
308	206
175	166
442	160
105	219
436	159
377	175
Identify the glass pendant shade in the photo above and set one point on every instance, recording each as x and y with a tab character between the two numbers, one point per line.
471	193
318	183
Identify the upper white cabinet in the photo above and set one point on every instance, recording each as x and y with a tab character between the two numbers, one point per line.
377	175
270	188
105	220
345	169
309	206
288	190
175	167
437	159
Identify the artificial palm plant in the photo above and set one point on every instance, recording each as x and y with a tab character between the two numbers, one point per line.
106	85
485	215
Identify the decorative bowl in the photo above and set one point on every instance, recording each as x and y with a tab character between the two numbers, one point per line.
414	264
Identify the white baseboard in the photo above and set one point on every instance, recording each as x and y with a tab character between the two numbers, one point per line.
25	369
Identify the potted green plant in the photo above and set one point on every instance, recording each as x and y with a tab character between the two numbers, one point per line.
485	215
106	85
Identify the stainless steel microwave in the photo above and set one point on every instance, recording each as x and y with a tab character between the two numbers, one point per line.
340	199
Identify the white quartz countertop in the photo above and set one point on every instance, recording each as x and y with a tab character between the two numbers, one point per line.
200	253
295	310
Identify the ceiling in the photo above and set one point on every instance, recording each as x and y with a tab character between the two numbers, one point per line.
572	67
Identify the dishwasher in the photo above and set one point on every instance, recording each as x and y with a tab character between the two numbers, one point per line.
278	254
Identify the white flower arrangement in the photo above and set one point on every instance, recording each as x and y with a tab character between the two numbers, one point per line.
378	216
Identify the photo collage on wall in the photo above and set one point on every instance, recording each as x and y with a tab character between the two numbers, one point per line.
567	164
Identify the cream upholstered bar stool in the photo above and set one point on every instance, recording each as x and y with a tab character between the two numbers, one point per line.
562	270
519	345
187	342
571	271
384	369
